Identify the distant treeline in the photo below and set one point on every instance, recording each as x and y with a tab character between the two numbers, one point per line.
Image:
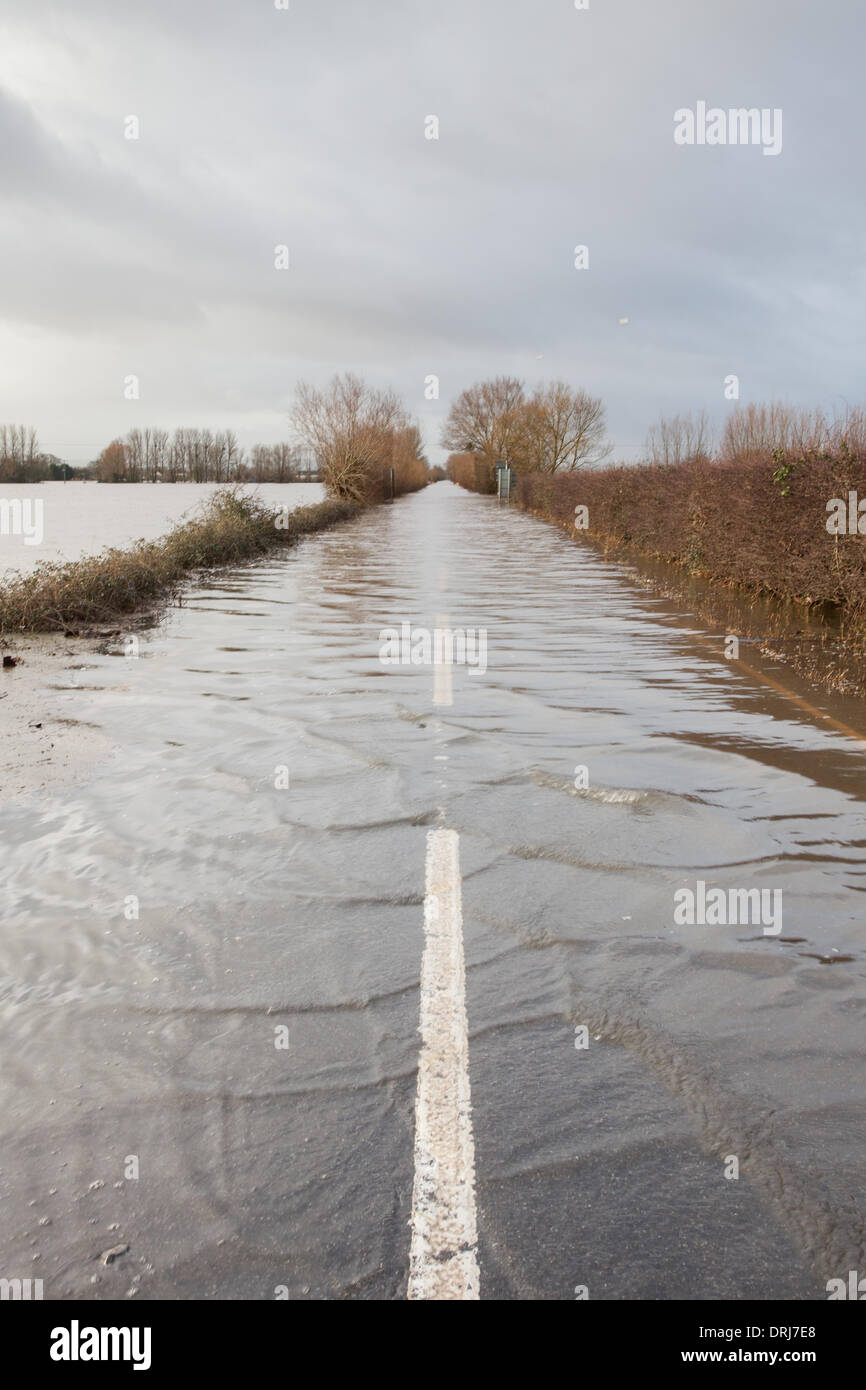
359	441
154	456
560	429
197	456
21	460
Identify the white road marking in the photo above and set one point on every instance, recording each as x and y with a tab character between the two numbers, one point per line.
442	689
443	1262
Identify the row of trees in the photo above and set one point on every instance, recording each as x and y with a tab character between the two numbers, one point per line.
354	435
557	428
754	431
194	456
361	442
152	455
553	428
22	461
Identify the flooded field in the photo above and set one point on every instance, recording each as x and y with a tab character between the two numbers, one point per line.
76	519
211	952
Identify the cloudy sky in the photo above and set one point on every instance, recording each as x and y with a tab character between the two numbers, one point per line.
409	256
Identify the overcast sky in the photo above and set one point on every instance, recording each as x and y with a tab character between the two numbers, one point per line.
410	256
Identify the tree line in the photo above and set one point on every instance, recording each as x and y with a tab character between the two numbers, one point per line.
558	429
195	456
21	459
358	439
361	440
153	455
757	430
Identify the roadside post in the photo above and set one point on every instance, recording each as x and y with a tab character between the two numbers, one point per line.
504	481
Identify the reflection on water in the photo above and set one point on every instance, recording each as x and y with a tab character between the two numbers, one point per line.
163	920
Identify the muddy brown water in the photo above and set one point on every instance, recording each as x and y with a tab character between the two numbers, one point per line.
163	920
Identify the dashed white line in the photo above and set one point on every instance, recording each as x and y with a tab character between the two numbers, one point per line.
443	1262
442	688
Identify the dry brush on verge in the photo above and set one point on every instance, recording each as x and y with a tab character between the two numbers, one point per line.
232	528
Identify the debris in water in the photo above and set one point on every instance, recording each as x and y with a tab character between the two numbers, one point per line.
109	1256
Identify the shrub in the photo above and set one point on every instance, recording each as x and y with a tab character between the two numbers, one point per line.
233	527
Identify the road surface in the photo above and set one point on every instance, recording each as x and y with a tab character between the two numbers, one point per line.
354	980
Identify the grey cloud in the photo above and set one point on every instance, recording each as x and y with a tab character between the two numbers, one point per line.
411	256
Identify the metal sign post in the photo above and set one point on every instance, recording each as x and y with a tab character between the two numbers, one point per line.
504	481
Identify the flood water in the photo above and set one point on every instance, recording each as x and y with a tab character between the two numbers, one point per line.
163	919
83	518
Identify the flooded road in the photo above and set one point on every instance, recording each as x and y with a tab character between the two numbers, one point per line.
211	952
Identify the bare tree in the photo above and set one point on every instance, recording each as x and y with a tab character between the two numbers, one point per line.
407	458
284	463
560	428
677	438
110	467
272	463
486	418
349	426
19	453
759	429
850	430
134	444
260	463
